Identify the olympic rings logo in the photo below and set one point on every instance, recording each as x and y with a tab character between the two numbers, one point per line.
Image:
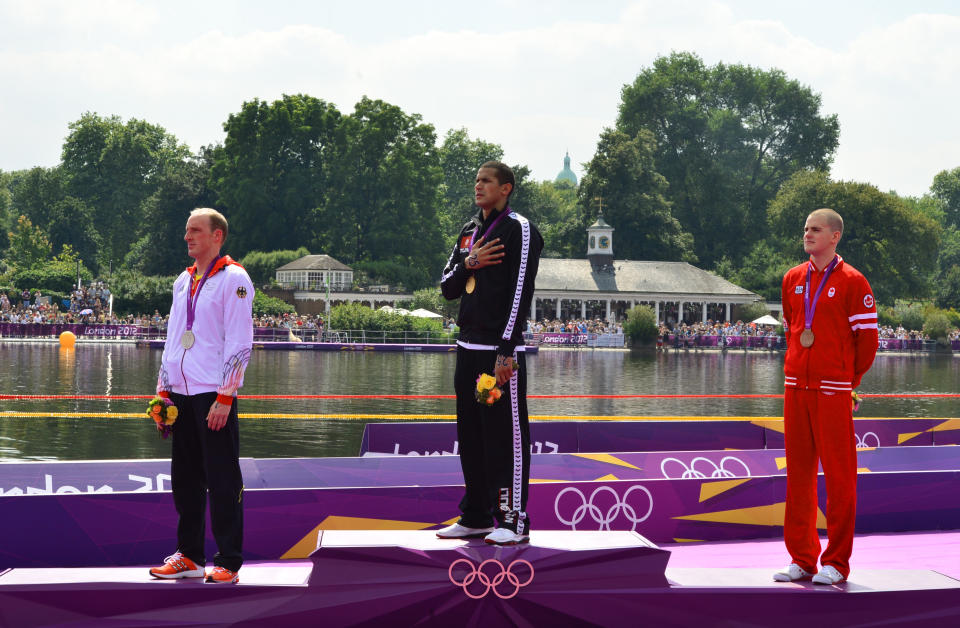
715	471
486	581
602	512
862	441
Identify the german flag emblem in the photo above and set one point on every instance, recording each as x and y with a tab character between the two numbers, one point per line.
242	292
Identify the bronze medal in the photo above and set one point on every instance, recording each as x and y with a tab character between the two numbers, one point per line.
806	338
471	284
187	339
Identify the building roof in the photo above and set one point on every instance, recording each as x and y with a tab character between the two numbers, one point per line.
660	278
315	262
600	223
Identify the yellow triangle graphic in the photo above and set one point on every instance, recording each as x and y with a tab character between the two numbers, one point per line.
305	546
863	470
536	481
771	515
775	425
902	438
865	448
688	540
607	478
949	424
712	489
607	458
781	463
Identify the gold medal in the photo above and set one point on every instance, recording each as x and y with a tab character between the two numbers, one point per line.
471	284
806	338
187	339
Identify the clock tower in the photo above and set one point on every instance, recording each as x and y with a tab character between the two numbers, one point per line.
600	243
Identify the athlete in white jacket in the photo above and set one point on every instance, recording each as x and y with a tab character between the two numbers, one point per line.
209	338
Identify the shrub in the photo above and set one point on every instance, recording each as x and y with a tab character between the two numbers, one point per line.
357	316
936	325
264	305
641	324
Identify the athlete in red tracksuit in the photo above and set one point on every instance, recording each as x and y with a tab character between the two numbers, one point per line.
827	355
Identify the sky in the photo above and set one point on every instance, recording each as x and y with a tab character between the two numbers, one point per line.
538	78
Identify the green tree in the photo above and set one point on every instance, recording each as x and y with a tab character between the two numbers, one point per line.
761	271
70	223
273	173
460	157
555	209
29	245
135	293
894	246
946	189
726	138
57	275
622	175
159	248
384	207
262	266
112	166
6	210
37	191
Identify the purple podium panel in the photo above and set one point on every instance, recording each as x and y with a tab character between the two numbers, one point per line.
401	578
440	438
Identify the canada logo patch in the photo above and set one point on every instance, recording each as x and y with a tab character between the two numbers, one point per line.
831	292
868	300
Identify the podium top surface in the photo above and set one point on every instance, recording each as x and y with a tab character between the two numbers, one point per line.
427	539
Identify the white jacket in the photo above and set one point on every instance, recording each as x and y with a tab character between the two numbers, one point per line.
223	327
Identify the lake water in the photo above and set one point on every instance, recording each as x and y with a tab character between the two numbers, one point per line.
123	369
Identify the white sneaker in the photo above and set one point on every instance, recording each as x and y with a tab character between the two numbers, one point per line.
790	573
828	575
457	531
505	536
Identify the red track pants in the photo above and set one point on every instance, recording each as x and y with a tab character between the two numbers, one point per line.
819	425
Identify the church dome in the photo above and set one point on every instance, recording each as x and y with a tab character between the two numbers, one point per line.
567	174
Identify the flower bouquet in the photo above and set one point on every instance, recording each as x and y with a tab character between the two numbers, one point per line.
855	400
487	390
163	413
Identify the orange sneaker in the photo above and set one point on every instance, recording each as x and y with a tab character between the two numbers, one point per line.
177	566
220	575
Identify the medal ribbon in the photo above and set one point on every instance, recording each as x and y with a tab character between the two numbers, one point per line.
473	238
192	298
810	308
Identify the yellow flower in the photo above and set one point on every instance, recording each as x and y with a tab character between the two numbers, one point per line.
486	382
172	414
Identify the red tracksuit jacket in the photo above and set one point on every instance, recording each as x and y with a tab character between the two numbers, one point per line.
844	328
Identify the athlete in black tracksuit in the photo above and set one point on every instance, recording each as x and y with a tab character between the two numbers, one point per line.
494	440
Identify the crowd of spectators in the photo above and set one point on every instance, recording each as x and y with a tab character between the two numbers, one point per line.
575	326
711	328
902	334
93	298
89	305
